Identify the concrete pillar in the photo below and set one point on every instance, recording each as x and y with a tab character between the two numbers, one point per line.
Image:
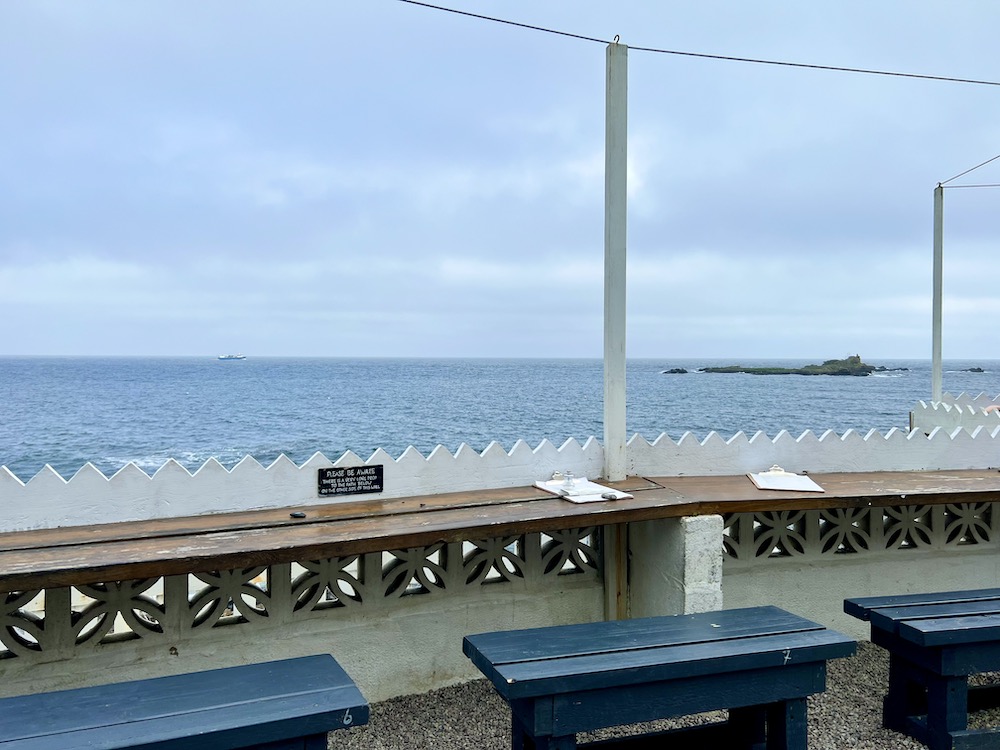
675	566
937	293
615	186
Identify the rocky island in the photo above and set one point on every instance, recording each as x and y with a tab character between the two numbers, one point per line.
850	366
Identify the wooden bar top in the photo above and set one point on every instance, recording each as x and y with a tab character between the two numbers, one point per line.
140	549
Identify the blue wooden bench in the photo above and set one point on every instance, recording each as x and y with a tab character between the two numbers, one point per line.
760	663
935	641
278	705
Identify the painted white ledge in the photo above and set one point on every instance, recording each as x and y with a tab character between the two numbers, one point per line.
48	500
897	450
952	412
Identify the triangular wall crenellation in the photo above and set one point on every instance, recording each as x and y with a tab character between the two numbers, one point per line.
952	412
895	451
48	500
89	497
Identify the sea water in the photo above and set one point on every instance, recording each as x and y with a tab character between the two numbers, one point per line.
67	411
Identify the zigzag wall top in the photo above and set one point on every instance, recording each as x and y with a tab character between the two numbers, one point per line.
952	412
48	500
981	401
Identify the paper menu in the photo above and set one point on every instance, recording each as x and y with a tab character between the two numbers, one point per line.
582	490
777	478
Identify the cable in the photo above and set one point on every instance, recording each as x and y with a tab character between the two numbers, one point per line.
727	58
970	170
503	20
836	68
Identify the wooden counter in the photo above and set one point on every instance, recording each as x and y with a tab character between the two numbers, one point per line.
124	551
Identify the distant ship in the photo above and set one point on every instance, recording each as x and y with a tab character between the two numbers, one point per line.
232	356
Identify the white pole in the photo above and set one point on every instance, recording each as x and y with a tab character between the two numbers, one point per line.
615	185
936	303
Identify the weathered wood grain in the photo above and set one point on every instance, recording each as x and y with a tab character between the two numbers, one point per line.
122	551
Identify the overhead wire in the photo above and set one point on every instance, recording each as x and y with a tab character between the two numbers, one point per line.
726	58
812	66
494	19
972	169
731	58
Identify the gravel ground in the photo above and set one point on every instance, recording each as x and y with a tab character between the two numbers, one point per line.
848	716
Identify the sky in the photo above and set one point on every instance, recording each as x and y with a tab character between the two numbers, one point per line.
378	178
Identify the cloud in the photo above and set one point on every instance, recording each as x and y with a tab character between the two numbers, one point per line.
401	180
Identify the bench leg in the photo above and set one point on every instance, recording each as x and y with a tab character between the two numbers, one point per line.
947	710
914	693
907	694
787	728
521	740
566	742
748	727
309	742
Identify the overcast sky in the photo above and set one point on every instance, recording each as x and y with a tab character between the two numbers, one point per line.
374	178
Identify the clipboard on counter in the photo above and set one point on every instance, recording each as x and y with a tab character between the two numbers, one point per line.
582	490
777	478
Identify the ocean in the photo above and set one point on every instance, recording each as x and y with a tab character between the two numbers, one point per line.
67	411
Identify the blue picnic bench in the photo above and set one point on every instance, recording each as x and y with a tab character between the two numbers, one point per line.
279	705
761	663
935	641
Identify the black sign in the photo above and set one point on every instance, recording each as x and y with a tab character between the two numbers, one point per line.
352	480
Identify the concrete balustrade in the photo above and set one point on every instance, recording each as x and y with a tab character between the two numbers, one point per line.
395	619
48	500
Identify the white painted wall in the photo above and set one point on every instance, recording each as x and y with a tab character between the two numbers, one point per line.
895	451
48	500
397	648
952	413
817	590
415	644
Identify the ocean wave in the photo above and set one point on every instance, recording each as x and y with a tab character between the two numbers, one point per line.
114	411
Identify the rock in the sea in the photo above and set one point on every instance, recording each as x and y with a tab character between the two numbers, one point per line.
850	366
